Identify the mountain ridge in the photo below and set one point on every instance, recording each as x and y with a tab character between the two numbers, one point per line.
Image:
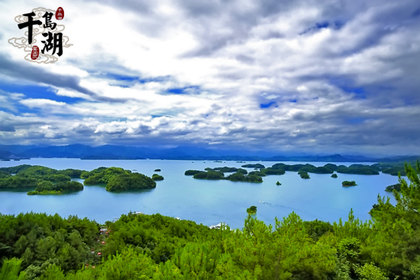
16	152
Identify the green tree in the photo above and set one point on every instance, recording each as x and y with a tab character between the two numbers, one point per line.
10	270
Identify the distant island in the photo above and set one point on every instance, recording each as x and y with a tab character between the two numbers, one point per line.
40	180
239	175
391	188
255	176
157	177
303	174
349	184
257	165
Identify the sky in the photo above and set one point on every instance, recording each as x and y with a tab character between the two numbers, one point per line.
320	77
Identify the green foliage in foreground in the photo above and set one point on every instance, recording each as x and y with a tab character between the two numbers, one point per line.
37	246
117	179
348	183
252	210
39	241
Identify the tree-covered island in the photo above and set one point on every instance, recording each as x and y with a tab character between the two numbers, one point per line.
118	179
47	187
303	174
157	177
391	188
239	175
348	183
43	180
39	179
255	176
256	166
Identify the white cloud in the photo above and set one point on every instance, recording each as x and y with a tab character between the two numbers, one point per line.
239	55
34	103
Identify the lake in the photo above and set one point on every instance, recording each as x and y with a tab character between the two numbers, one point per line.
207	202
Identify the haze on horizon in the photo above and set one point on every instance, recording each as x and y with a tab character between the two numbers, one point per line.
287	76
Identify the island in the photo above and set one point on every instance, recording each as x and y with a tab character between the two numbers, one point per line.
209	175
43	180
391	188
117	179
348	183
272	171
239	175
39	179
157	177
257	166
226	169
258	173
278	183
304	174
47	187
191	172
330	168
303	170
359	169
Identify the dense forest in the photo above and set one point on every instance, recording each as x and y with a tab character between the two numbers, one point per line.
137	246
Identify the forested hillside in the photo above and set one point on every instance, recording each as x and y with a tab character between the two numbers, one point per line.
156	247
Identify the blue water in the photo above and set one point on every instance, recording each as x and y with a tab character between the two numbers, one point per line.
206	202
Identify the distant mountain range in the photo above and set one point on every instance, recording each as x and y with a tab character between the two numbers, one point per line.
16	152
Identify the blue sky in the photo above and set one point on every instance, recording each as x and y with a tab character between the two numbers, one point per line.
288	76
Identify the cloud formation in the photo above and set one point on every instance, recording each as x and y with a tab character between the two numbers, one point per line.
303	76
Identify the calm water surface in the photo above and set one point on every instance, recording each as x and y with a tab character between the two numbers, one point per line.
206	202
